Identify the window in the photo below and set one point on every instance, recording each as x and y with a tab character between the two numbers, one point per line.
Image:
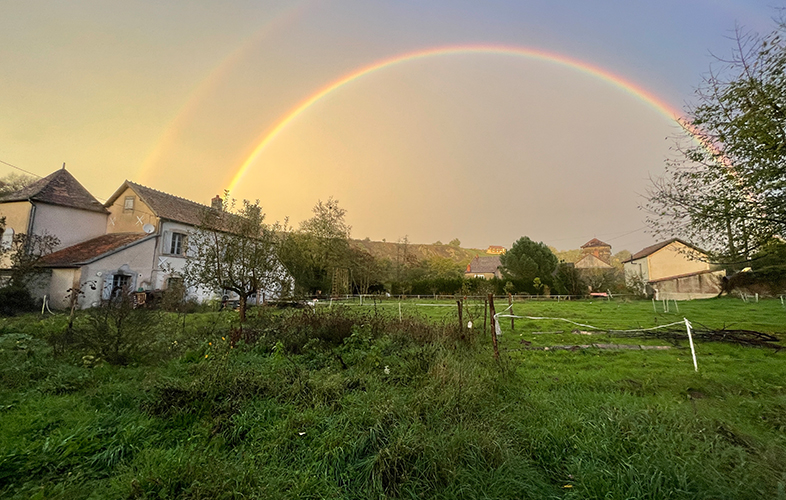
128	205
177	244
120	282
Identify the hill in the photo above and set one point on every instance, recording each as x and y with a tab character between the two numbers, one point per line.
392	251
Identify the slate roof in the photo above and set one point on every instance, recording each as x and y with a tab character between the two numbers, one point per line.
484	265
657	246
92	250
58	188
594	242
168	206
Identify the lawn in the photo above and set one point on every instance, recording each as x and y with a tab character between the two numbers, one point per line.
410	409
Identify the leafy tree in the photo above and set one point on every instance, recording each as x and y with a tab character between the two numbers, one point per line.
234	249
527	260
318	247
727	193
455	242
14	182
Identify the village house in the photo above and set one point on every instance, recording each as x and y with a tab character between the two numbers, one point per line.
674	270
594	255
56	205
484	267
495	250
137	240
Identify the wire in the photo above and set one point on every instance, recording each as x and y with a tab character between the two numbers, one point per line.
20	169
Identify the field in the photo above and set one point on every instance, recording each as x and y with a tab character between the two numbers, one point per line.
351	402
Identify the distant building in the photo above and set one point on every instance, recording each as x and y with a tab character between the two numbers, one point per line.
595	254
484	267
674	269
495	250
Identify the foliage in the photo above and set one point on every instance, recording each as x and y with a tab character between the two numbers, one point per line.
569	281
234	249
320	246
726	191
116	331
455	242
15	300
14	182
25	254
527	260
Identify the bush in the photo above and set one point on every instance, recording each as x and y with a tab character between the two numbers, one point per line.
15	300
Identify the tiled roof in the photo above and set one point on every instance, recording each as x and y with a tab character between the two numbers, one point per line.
657	246
594	242
171	207
90	250
59	188
484	265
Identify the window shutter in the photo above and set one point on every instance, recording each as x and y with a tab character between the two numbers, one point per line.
106	291
8	238
167	242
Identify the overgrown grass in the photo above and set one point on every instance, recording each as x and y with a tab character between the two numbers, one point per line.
355	404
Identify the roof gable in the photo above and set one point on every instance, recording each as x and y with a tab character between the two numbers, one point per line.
58	188
590	261
164	205
658	246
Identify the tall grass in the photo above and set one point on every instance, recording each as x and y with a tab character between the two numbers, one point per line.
340	404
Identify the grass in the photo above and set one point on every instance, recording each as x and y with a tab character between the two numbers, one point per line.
383	411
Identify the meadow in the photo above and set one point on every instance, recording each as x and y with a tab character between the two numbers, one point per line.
353	401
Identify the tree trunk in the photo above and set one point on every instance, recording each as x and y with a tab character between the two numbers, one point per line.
242	311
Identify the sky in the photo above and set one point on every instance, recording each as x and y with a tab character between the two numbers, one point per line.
483	121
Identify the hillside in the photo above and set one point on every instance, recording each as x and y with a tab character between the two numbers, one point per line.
392	250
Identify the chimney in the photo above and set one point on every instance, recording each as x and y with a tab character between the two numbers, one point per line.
217	203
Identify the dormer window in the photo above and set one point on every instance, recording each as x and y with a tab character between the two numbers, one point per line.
128	205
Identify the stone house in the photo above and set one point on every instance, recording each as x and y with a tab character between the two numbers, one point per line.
595	254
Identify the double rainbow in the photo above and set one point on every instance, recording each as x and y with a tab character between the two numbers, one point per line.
540	55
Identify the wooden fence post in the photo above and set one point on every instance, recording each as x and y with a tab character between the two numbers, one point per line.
512	320
486	309
460	315
493	326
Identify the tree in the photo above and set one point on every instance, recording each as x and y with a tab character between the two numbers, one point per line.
726	192
527	260
233	249
14	182
319	247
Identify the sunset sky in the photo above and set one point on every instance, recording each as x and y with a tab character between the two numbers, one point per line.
483	121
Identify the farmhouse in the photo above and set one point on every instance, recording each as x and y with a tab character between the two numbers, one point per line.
484	267
57	205
137	240
674	269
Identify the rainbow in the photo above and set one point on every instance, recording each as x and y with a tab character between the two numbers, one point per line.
199	93
541	55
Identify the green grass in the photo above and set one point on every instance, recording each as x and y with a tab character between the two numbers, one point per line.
443	421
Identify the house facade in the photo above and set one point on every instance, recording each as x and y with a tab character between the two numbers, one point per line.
595	254
674	269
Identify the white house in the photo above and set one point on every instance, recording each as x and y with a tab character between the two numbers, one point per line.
57	205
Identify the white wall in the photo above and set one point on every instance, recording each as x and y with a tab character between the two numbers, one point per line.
69	225
135	261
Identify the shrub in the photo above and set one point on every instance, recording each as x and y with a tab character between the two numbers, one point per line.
15	300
